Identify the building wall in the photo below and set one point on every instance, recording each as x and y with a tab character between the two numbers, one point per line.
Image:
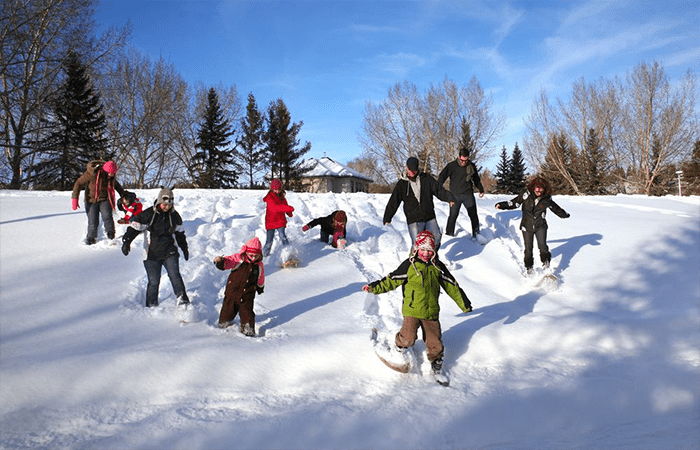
334	184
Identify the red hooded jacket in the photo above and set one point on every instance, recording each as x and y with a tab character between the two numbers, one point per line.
277	208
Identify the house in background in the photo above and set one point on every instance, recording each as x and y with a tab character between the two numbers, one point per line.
326	175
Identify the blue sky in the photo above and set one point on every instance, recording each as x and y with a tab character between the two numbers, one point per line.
327	58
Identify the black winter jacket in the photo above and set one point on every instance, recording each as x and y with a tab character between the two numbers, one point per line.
326	224
463	179
416	211
163	230
534	210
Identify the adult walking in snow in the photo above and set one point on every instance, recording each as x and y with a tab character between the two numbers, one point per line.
535	201
464	177
164	234
247	277
421	276
333	225
416	189
99	181
275	215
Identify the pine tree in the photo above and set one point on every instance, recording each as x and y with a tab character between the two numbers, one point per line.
592	176
502	173
517	173
466	142
250	144
282	145
78	123
215	162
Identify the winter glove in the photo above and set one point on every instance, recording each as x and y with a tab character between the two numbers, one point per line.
186	253
129	236
182	243
305	228
75	204
260	289
567	216
126	247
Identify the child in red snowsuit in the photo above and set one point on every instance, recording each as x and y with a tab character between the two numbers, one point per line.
246	278
275	220
131	206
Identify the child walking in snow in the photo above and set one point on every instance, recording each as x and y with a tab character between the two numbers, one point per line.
246	278
333	225
131	206
421	276
275	215
535	201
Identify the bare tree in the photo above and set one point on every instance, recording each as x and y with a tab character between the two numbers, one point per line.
35	36
428	126
144	101
656	108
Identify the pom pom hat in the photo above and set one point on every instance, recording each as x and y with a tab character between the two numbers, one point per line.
110	167
275	185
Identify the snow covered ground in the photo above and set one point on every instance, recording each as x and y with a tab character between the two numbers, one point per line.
608	359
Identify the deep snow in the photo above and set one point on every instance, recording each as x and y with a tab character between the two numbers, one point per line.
609	359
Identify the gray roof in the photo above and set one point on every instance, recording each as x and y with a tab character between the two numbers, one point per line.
326	167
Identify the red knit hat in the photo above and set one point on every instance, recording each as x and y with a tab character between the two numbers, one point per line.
276	184
110	167
253	246
425	241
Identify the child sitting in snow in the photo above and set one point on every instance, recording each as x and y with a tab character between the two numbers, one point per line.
275	220
420	277
131	206
246	278
332	225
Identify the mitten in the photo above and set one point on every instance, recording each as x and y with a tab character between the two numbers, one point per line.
305	228
75	204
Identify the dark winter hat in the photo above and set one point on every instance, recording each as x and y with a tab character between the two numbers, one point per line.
412	164
165	196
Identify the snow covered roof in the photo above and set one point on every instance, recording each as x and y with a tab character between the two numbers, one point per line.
326	167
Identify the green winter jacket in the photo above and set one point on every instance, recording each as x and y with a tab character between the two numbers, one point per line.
421	284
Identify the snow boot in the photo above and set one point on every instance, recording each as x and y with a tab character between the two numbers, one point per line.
438	374
248	330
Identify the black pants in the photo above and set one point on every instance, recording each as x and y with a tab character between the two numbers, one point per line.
528	240
469	203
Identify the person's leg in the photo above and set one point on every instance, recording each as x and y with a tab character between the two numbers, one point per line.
527	242
434	228
107	218
247	314
454	213
545	255
172	266
413	230
408	333
92	211
268	242
153	269
324	236
433	339
283	235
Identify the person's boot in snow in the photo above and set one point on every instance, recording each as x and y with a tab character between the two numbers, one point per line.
247	329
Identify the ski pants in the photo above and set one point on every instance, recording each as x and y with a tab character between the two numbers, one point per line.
468	201
153	270
431	225
94	211
235	305
528	241
432	335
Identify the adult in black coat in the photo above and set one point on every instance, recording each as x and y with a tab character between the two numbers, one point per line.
463	176
163	226
416	189
535	201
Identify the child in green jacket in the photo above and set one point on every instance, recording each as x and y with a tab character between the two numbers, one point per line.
421	277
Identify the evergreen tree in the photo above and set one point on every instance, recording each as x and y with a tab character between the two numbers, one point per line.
215	162
502	173
78	125
593	166
251	151
517	174
282	145
466	142
691	172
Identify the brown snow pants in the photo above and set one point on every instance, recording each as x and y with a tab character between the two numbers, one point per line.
432	334
237	301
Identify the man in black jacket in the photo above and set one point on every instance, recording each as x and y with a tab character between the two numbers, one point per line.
415	189
463	177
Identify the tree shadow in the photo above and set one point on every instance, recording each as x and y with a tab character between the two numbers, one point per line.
571	246
289	312
458	337
45	216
